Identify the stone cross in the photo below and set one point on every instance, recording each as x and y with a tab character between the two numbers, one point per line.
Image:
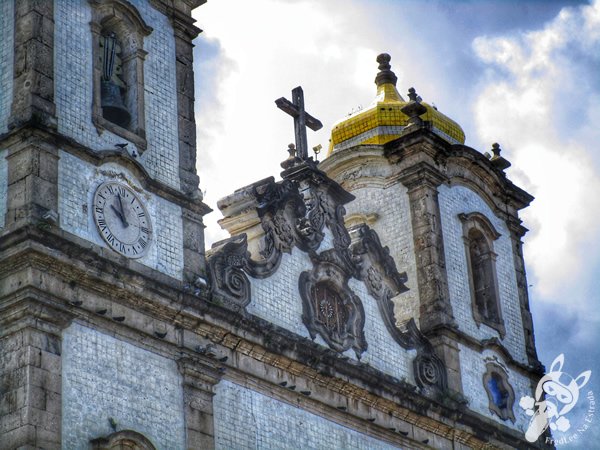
302	119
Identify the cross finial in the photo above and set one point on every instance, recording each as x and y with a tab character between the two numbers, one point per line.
302	119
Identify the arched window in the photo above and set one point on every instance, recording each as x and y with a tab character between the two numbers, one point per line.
479	236
122	440
118	33
113	89
501	395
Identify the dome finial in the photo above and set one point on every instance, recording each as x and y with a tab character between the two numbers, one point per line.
385	74
384	61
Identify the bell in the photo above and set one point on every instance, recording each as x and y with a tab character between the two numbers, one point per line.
113	108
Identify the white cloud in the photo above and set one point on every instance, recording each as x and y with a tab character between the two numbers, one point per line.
540	97
267	48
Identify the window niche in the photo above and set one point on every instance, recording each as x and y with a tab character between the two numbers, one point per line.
118	33
501	395
479	236
122	440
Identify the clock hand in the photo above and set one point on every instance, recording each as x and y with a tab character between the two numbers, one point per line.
123	215
118	213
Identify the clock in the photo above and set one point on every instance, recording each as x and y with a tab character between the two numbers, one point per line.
122	219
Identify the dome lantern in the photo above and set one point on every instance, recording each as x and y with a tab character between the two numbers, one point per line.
384	120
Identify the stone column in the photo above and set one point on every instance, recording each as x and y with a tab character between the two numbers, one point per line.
32	182
185	32
194	262
199	379
32	162
33	95
30	375
193	227
422	182
435	311
517	231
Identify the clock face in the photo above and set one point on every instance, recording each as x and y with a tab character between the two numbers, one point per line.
122	219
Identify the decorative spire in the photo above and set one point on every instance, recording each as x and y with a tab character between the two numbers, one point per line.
413	109
496	150
292	160
498	161
291	150
412	94
385	74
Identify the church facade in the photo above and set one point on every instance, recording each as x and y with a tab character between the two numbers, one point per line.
374	300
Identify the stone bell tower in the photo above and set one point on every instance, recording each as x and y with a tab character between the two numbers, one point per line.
100	218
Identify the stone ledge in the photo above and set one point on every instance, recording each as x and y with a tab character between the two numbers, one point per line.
248	338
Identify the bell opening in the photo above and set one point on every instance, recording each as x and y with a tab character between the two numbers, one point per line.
113	108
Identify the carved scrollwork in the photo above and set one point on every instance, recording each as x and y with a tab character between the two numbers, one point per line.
279	205
326	209
294	213
226	269
282	211
330	308
377	269
429	370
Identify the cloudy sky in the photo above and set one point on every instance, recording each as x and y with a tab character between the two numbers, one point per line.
522	73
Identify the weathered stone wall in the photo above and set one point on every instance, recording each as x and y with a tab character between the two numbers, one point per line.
30	381
73	96
473	367
247	419
3	186
459	199
77	182
7	16
277	300
104	377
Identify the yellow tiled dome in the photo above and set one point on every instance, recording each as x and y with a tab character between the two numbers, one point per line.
383	121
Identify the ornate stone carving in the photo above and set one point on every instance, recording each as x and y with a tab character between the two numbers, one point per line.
226	268
501	395
377	269
282	211
428	368
330	308
293	213
326	208
290	220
